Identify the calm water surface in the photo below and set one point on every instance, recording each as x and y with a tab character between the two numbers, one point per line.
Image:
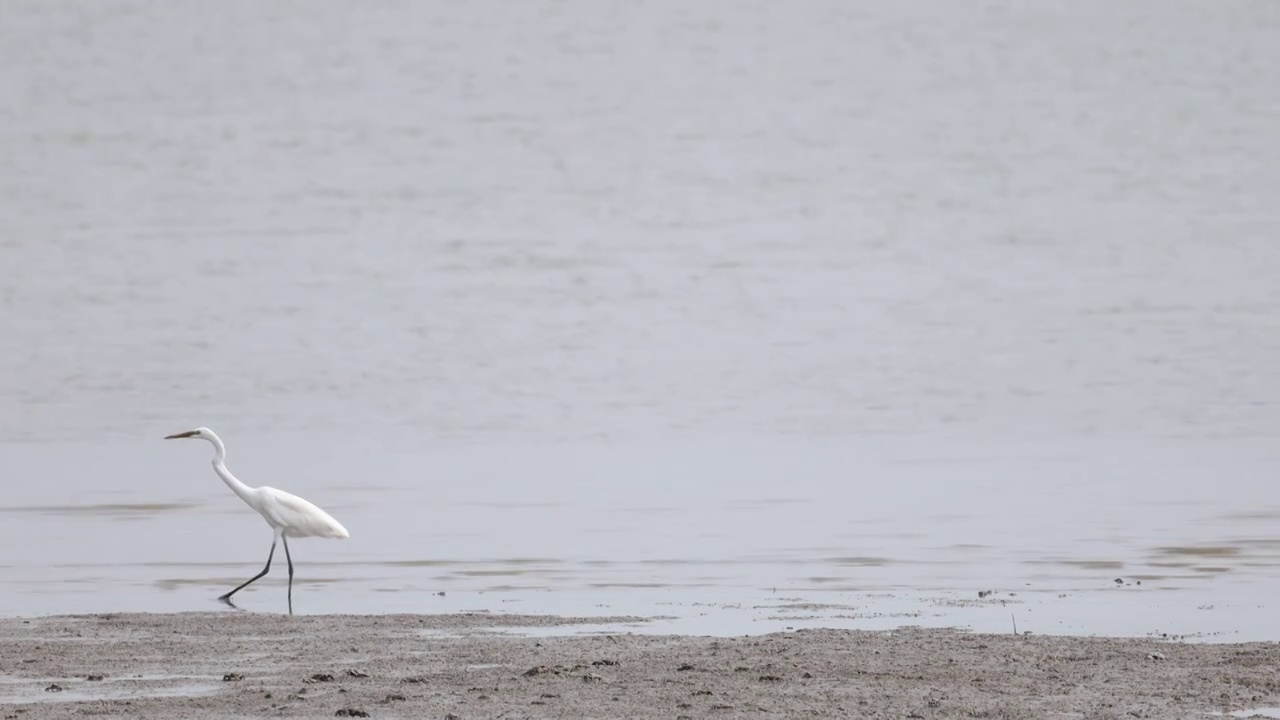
750	314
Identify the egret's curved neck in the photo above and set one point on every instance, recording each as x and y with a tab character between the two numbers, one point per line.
220	467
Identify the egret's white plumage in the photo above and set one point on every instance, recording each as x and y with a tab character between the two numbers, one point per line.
286	513
297	517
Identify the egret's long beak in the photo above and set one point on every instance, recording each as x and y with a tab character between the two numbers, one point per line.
186	434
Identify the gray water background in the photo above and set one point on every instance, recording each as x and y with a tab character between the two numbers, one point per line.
576	305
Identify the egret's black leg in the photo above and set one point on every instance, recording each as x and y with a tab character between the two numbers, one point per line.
290	561
227	598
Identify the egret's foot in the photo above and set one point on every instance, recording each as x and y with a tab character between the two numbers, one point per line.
227	599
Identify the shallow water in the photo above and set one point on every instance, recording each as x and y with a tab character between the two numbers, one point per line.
567	305
128	687
720	538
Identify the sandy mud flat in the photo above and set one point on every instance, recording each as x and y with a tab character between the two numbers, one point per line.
486	666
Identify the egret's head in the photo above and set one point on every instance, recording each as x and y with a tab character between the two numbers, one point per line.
203	433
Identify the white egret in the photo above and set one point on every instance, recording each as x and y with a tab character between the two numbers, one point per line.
287	514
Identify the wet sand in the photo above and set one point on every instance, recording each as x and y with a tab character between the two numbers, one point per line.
480	665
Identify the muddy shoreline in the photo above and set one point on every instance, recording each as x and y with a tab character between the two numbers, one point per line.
480	665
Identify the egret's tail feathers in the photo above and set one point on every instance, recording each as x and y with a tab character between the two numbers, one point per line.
331	529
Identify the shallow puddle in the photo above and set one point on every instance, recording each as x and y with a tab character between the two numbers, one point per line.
55	690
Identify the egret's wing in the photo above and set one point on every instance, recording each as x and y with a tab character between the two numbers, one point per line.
300	518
